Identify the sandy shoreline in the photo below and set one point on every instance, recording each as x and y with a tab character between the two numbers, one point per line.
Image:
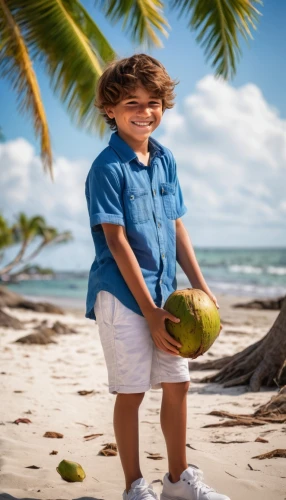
41	383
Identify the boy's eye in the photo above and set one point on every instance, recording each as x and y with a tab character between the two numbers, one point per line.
152	103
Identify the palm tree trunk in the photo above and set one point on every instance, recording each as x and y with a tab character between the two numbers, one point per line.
58	239
259	364
15	261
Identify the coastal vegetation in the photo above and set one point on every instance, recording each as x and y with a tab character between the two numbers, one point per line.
24	232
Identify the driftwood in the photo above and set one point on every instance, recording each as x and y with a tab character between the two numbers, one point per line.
14	300
272	412
272	304
272	454
275	407
43	334
42	337
62	329
9	321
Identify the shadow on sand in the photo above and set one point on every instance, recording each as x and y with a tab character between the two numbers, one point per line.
6	496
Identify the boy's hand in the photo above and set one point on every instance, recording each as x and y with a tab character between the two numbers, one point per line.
160	336
214	299
210	294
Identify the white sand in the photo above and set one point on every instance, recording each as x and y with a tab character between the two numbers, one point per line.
49	378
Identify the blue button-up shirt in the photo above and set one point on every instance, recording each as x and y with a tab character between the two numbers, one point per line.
146	200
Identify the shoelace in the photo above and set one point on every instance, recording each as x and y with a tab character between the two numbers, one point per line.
199	484
202	486
146	490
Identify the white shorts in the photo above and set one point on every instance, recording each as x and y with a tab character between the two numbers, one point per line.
134	363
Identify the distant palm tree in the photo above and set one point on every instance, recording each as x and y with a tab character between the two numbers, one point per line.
62	36
24	231
6	235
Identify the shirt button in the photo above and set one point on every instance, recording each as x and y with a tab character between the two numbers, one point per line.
163	255
154	192
159	224
161	281
132	197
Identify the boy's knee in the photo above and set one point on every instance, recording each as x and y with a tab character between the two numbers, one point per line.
134	399
176	388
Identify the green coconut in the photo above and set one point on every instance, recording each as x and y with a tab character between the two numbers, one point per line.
200	321
71	471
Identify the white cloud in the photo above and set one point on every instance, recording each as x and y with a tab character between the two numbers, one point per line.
230	147
25	187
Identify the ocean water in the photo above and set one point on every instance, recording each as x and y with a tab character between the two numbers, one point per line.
244	272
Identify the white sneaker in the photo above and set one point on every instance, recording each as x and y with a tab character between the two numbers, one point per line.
189	487
140	490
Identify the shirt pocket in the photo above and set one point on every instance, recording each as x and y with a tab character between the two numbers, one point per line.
138	204
167	191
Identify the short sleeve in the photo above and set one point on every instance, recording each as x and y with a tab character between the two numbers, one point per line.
180	205
104	196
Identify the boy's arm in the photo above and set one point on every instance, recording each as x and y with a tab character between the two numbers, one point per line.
187	259
128	265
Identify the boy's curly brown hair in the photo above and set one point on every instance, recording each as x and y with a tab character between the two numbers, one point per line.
124	75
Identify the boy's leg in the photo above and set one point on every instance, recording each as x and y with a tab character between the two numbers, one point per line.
125	422
174	426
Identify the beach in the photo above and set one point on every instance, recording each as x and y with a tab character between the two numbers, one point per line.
41	383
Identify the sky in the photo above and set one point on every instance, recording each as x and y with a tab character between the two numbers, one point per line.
229	140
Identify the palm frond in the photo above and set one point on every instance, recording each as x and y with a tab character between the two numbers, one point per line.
28	227
6	235
16	66
219	24
50	235
73	49
142	18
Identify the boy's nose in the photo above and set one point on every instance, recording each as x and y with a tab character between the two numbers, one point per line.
144	110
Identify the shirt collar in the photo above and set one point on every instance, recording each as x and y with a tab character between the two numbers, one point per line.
126	153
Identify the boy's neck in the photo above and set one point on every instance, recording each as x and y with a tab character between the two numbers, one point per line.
139	147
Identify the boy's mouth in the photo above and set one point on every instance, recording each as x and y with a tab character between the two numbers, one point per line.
142	124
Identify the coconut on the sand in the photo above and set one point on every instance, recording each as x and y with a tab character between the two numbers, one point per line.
71	471
200	321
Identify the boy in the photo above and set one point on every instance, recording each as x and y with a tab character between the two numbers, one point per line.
135	206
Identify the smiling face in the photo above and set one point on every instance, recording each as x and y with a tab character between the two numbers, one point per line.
136	116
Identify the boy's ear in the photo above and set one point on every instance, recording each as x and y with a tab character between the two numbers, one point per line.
109	112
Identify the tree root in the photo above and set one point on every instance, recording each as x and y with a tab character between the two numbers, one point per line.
260	363
271	454
272	412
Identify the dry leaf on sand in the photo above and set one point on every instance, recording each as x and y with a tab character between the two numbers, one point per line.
84	393
91	436
229	442
109	450
22	421
251	468
261	440
192	448
154	456
50	434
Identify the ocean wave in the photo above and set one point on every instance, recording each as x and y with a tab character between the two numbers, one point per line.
280	271
245	269
247	289
248	269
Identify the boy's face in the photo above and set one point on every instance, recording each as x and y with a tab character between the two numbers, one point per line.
137	116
